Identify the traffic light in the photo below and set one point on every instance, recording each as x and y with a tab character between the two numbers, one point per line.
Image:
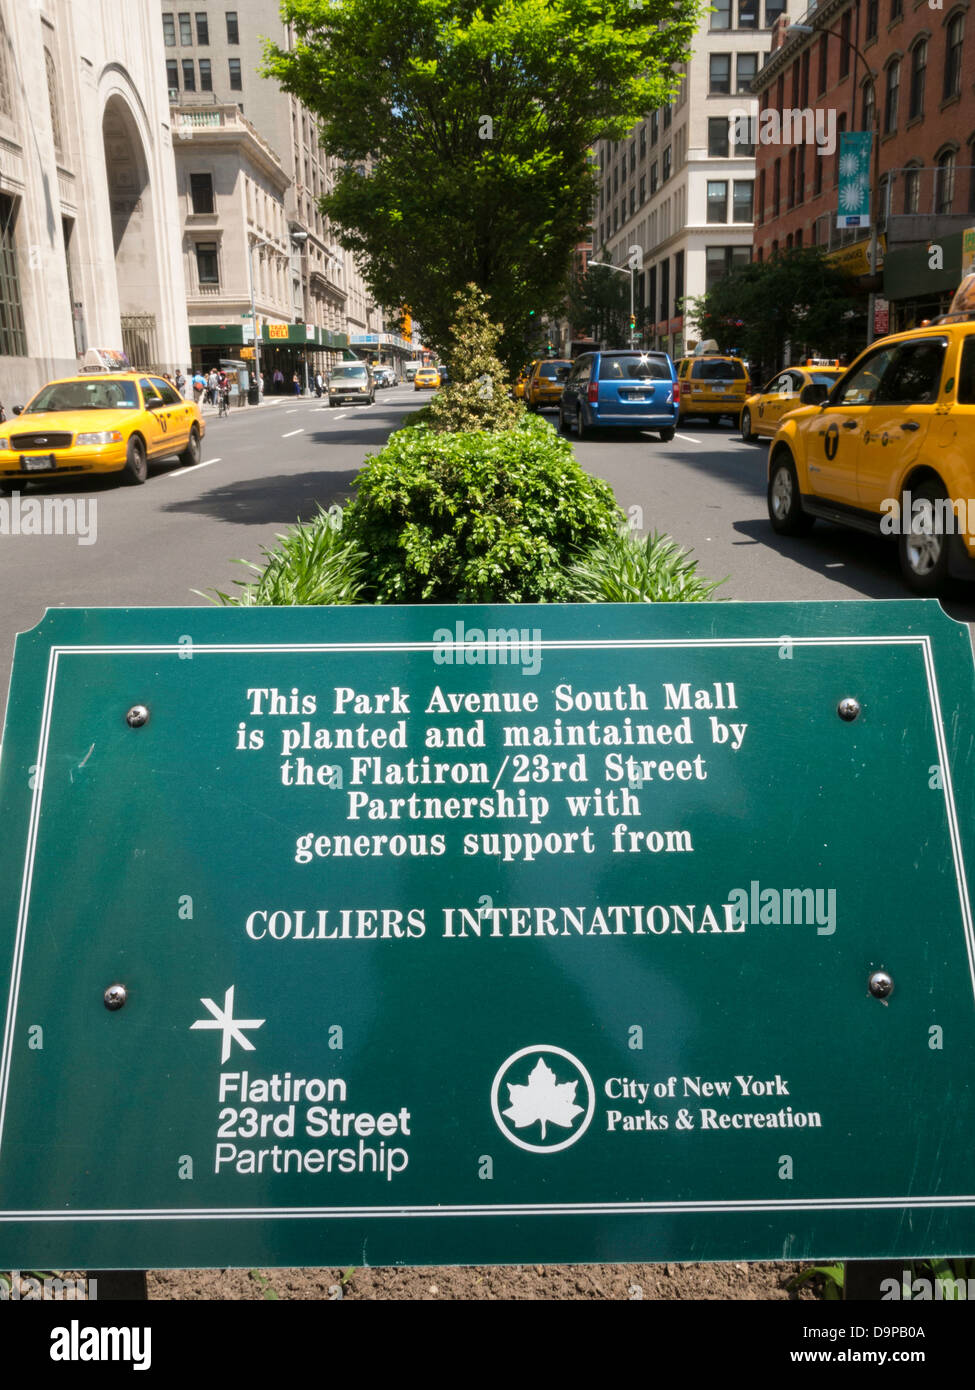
550	349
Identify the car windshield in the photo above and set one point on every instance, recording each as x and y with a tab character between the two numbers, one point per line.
825	378
553	370
716	369
634	367
92	394
346	372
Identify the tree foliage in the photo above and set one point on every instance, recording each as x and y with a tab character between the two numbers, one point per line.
465	128
796	297
476	394
599	301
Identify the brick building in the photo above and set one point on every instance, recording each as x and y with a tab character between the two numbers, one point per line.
919	95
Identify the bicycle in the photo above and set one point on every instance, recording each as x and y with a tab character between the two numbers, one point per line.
224	404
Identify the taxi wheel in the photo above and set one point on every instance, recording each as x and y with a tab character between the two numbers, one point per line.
667	435
136	468
784	506
923	550
192	453
747	433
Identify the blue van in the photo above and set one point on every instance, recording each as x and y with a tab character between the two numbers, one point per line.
620	389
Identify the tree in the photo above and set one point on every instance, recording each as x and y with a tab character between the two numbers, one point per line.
796	297
465	131
599	301
476	394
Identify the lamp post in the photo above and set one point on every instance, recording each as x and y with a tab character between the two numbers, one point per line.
874	152
299	238
257	336
620	270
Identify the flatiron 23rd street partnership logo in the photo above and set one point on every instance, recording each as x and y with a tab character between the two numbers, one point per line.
542	1086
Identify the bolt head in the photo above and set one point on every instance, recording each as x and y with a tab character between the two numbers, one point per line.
880	984
848	709
137	716
115	996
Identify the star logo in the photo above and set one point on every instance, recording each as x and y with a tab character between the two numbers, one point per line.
232	1028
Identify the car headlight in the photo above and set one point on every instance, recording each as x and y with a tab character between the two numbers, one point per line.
101	437
4	443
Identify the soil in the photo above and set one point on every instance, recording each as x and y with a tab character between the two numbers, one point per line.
723	1282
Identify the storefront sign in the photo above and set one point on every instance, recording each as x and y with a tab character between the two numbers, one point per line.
490	934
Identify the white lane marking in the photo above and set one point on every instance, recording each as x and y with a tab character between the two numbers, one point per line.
292	411
292	434
688	438
182	472
337	417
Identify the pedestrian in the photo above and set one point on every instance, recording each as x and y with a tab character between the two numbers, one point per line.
278	381
296	382
223	391
180	382
212	386
199	386
319	385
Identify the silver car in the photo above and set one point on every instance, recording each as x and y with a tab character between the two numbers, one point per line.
351	383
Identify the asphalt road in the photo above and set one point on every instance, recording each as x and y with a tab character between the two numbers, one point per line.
262	469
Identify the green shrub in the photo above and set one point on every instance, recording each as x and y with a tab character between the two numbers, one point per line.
476	394
625	569
476	517
315	563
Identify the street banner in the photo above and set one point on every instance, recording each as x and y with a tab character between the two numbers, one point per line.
853	208
515	934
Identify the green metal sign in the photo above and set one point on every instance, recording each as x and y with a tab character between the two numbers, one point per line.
487	934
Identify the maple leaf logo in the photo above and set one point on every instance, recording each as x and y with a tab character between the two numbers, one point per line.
543	1099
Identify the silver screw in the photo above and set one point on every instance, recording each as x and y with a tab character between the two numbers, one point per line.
137	716
848	709
880	984
115	996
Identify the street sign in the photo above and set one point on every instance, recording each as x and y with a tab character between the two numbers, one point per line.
853	208
881	316
487	934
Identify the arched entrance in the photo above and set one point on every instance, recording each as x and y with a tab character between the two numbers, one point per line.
133	233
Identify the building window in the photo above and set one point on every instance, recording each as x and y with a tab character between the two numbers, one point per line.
172	75
890	101
201	192
944	184
773	8
919	67
742	201
643	189
233	28
654	127
189	75
795	83
776	187
912	190
818	162
643	141
791	195
236	81
873	7
761	197
206	75
720	74
668	116
824	40
169	31
954	39
13	335
633	158
746	68
869	105
896	9
654	180
720	260
717	200
744	147
202	28
185	31
718	137
53	100
721	14
747	14
632	201
666	164
845	43
207	268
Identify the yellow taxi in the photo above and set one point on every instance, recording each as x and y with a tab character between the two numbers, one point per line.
763	412
99	422
546	382
712	385
891	449
521	381
426	379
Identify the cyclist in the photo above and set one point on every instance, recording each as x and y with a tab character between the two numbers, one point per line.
223	391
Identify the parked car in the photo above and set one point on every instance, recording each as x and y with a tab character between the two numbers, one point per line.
351	383
99	422
426	379
890	449
620	389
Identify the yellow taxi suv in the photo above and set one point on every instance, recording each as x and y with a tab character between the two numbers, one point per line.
890	450
762	413
712	386
426	379
546	382
105	422
518	389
